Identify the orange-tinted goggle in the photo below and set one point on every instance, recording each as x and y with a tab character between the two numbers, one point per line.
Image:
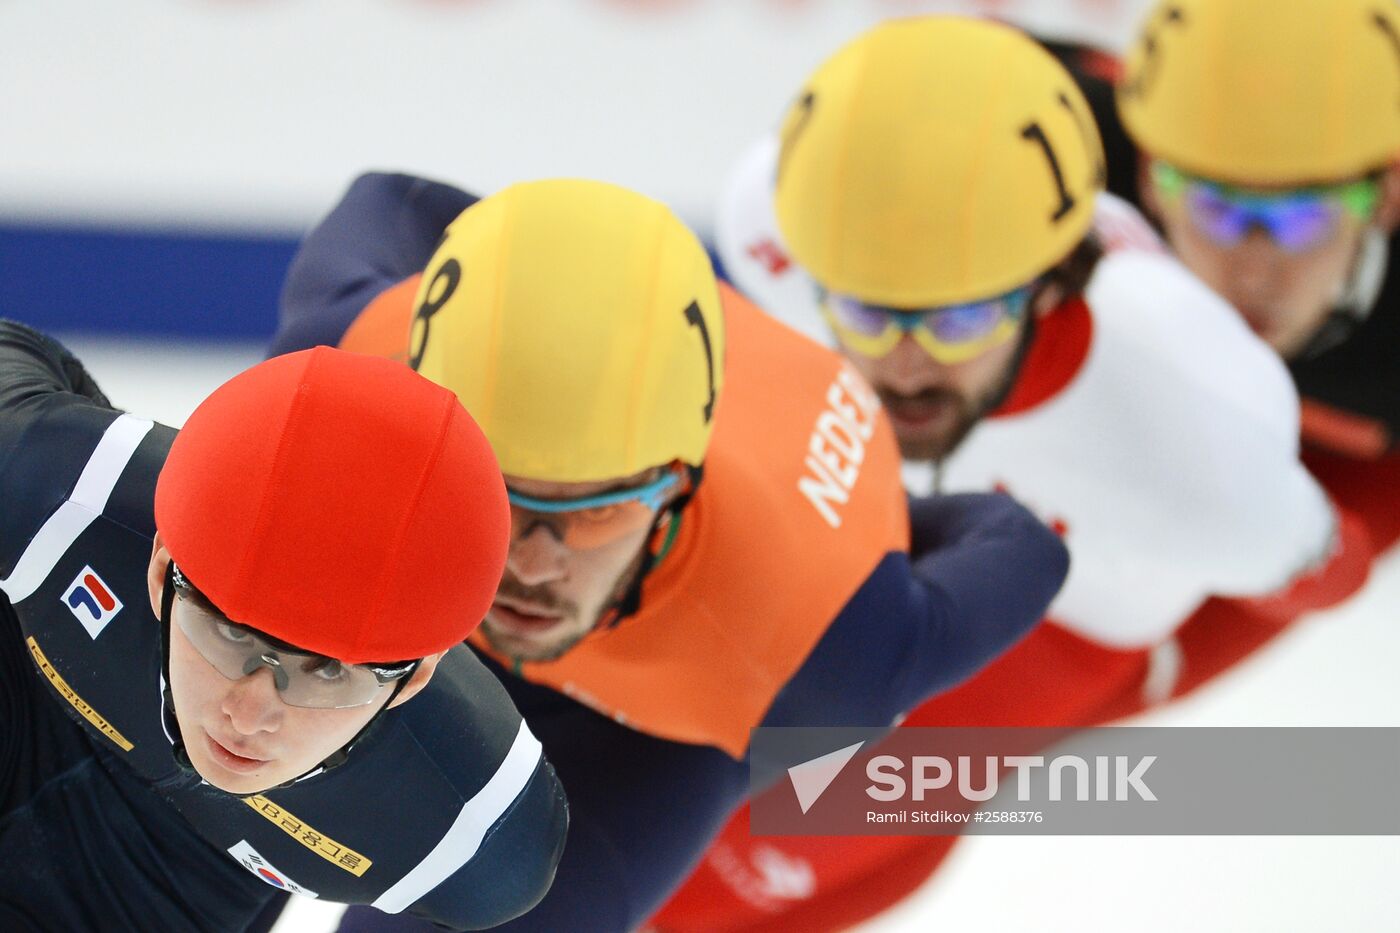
593	521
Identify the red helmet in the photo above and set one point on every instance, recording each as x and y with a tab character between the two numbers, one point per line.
340	503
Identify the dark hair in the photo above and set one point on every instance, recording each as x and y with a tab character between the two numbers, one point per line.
1072	274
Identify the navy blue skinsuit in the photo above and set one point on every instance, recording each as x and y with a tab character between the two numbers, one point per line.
445	809
642	809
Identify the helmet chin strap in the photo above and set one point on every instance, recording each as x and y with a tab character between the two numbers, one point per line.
1018	363
659	539
172	724
1356	296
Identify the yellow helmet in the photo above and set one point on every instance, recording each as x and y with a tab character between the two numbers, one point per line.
936	160
580	324
1264	91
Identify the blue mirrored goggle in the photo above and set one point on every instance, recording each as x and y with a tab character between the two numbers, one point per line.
1297	220
592	521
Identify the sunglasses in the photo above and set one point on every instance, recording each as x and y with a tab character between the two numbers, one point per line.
593	521
949	333
1297	220
303	679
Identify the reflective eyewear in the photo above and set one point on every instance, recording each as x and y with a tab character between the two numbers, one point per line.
302	679
950	333
1297	220
593	521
